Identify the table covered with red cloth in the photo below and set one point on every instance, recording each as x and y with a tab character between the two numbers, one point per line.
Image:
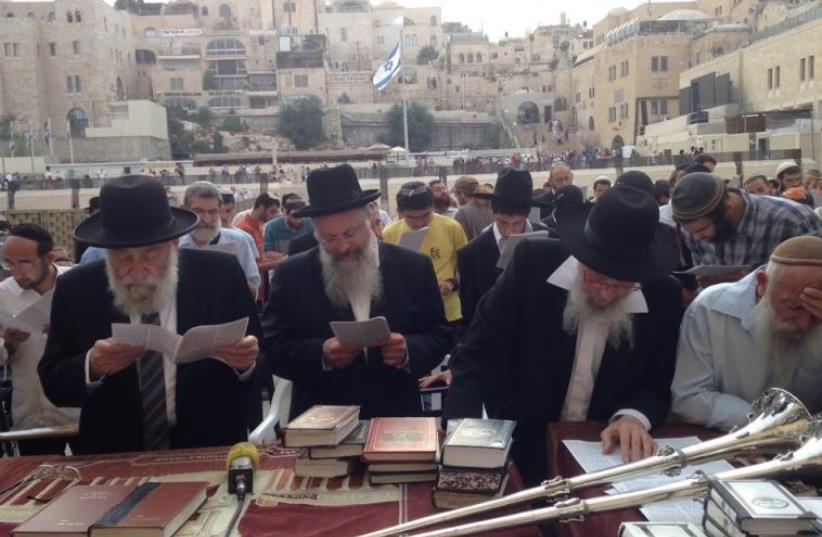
261	519
562	463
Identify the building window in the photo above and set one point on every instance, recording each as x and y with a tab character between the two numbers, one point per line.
770	79
433	20
52	49
290	7
12	50
75	45
77	17
78	121
225	11
462	58
70	84
150	32
300	81
623	69
344	35
105	24
224	101
69	17
225	47
479	58
176	84
612	114
204	11
660	63
227	68
776	76
470	57
380	39
810	67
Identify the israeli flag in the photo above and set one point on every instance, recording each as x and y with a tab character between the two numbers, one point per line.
389	69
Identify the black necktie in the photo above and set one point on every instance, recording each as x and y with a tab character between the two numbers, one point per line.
153	392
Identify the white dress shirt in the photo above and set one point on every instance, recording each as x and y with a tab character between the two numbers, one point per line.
30	408
592	337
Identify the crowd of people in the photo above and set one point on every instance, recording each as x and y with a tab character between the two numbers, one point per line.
594	316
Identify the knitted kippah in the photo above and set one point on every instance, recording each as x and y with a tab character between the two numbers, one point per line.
696	195
805	250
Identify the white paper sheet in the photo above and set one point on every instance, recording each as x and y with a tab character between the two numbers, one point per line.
197	343
413	239
508	245
363	333
32	319
590	458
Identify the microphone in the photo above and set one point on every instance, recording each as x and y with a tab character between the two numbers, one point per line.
240	462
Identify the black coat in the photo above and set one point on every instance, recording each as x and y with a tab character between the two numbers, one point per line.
296	324
517	338
210	399
303	243
477	262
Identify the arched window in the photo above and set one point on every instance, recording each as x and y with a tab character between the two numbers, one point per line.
180	102
150	32
30	15
462	58
225	47
470	57
77	17
433	41
591	123
204	11
121	92
224	102
225	11
51	16
479	58
78	121
433	20
69	16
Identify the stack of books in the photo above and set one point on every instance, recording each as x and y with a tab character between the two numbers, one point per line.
402	450
754	508
334	436
475	459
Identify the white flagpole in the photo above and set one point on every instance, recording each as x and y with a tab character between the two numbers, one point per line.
404	100
51	138
71	144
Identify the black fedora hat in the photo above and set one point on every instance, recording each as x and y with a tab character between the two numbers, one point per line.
514	187
134	211
334	190
620	236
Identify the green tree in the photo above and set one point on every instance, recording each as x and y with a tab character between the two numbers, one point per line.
217	143
233	124
426	54
180	140
420	127
203	116
302	122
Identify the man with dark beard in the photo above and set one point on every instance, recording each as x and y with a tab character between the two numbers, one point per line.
728	226
443	204
351	276
567	332
738	339
133	399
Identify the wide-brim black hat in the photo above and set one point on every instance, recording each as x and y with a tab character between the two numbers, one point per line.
134	212
513	187
334	190
620	236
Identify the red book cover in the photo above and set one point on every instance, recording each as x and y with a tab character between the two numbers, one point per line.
153	509
401	440
74	511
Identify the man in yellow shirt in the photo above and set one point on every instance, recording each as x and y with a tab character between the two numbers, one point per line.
415	203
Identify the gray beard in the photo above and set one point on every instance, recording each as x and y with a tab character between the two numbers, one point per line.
207	234
356	277
578	307
795	366
151	296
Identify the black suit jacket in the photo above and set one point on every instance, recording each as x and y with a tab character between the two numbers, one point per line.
303	243
296	324
210	399
517	337
477	262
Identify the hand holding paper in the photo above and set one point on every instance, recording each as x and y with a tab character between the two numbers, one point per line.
413	239
394	350
370	333
32	319
108	357
240	354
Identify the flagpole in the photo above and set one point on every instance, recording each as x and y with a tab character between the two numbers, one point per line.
71	144
51	142
31	150
404	100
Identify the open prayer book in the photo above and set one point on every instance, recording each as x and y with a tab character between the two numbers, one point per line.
197	343
508	245
32	319
413	239
363	333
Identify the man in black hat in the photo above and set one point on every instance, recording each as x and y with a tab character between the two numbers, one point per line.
352	276
568	333
133	399
92	209
565	198
477	261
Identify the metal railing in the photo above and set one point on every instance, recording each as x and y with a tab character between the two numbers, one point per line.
788	24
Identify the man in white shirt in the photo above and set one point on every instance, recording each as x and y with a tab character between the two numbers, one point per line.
583	328
737	339
28	256
132	398
203	199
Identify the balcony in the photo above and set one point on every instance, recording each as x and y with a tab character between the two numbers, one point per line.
180	53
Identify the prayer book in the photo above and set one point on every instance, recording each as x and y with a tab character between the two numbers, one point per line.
322	425
306	467
363	333
413	239
508	245
197	343
351	446
474	480
446	499
402	440
758	507
477	443
660	529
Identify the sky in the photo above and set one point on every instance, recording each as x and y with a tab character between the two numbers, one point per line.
518	16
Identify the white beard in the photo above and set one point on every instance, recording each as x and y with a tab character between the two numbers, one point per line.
795	365
150	296
359	276
579	306
208	233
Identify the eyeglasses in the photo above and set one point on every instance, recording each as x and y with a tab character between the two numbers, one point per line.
347	236
24	266
201	212
608	283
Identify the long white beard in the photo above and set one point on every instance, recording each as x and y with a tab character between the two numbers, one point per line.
207	234
358	276
795	365
150	296
578	306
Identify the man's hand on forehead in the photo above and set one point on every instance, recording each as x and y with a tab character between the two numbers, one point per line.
811	300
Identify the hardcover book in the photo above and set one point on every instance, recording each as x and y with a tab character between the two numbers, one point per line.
402	440
477	443
446	499
322	425
760	507
351	446
306	467
477	480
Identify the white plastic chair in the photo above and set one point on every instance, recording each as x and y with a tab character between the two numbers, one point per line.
266	433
